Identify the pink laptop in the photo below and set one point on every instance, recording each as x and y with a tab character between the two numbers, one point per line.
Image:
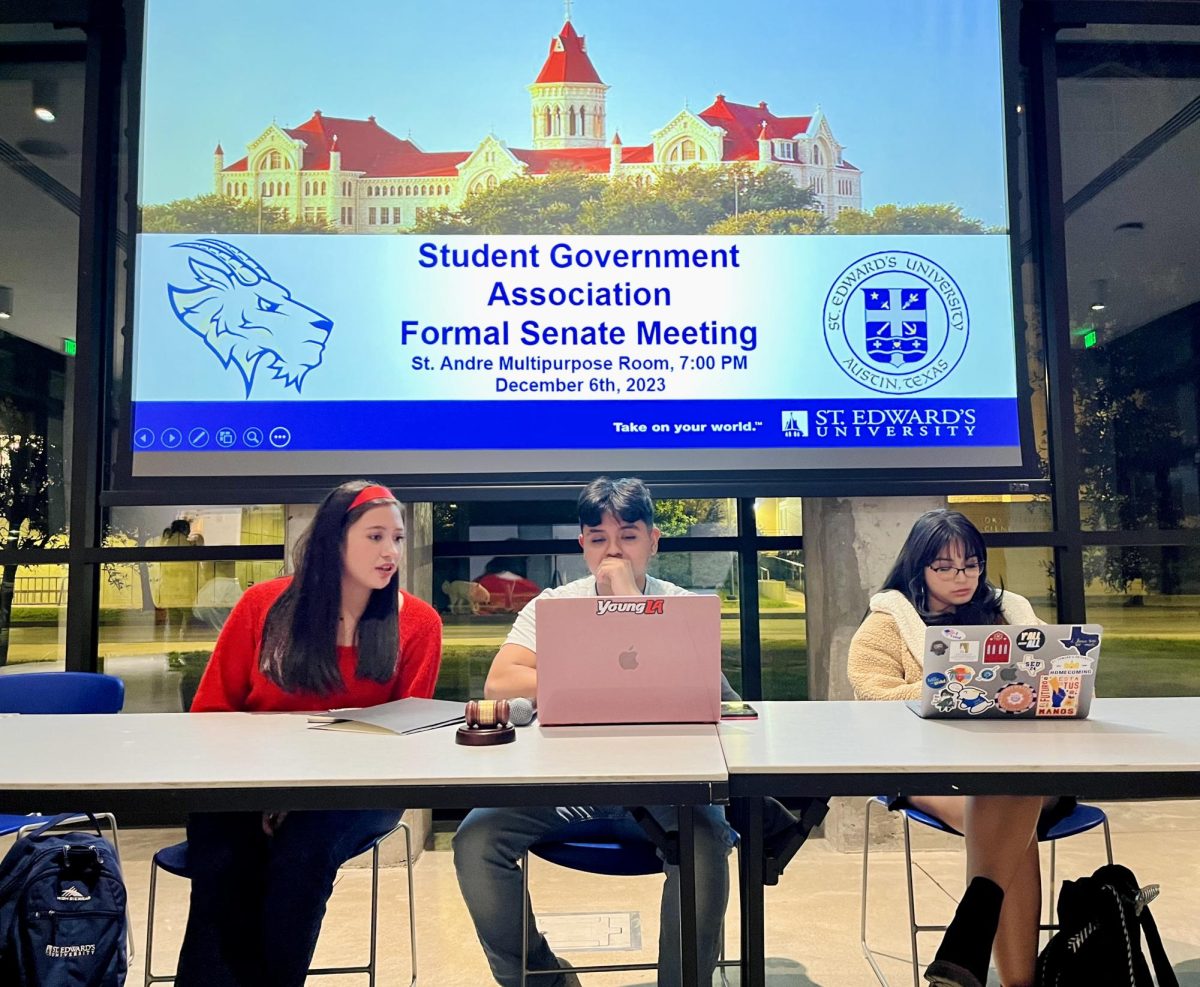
629	659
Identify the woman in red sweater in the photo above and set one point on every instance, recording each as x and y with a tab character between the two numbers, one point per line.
339	633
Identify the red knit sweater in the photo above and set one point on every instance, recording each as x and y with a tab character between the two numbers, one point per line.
233	682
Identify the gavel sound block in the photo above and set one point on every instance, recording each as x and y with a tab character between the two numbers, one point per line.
486	723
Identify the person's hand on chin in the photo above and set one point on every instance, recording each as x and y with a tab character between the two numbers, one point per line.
614	577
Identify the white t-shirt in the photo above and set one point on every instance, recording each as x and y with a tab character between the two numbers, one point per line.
524	628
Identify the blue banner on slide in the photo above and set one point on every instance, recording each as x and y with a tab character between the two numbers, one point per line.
572	424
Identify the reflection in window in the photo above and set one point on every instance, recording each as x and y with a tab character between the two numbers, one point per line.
779	515
161	636
1005	512
1029	572
31	627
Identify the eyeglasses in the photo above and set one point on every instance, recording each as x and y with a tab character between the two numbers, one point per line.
949	572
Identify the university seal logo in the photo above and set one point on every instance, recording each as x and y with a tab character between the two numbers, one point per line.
246	317
896	322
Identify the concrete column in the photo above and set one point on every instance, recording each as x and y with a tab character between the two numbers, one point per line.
849	547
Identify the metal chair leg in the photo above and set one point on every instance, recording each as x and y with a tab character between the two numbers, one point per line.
912	903
862	928
148	975
1107	839
1050	894
374	913
524	918
412	904
116	840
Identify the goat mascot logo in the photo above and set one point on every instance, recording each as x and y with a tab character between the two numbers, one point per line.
246	317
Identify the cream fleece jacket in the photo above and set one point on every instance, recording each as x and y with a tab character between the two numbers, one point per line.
885	653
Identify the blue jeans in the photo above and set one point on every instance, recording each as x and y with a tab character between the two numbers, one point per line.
487	851
257	901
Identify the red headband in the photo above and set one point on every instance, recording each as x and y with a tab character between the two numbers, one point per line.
373	492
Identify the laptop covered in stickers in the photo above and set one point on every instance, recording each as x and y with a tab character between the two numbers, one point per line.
1013	671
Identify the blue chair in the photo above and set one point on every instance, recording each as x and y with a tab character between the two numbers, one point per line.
48	693
1080	820
617	847
174	860
34	693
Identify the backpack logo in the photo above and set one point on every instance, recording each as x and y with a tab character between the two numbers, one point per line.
73	894
68	952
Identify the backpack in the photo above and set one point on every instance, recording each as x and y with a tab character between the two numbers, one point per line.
62	911
1101	919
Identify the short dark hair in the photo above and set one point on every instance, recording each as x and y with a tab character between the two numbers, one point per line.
627	498
930	535
299	642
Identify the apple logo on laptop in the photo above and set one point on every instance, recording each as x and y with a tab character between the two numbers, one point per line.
628	659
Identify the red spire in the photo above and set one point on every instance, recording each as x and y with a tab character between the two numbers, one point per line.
568	59
617	138
334	144
218	150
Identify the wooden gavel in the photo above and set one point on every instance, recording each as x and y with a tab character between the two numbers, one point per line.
485	722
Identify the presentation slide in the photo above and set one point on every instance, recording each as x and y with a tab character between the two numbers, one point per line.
522	239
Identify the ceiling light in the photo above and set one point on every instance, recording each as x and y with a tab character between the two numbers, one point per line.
1099	295
6	302
45	100
1130	229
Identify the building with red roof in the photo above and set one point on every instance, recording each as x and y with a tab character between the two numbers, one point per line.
360	178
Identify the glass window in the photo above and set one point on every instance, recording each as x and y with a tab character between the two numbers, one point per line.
701	517
251	524
1129	157
1148	601
41	127
159	624
782	627
33	616
1029	572
779	515
478	598
1005	512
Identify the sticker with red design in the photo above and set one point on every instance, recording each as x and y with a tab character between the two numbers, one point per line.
997	648
1058	695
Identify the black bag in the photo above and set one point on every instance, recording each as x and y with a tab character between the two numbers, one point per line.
62	911
1101	919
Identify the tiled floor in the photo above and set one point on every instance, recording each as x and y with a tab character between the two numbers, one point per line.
812	916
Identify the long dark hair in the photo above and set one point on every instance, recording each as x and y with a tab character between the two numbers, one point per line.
299	646
930	536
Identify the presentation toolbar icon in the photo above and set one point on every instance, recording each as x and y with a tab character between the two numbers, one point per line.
143	438
280	437
253	437
171	437
198	437
226	437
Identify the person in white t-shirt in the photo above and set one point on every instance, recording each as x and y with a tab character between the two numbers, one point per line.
619	538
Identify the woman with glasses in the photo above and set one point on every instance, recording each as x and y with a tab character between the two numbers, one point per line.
940	577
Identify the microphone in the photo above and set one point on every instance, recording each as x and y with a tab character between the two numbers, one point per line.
521	711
